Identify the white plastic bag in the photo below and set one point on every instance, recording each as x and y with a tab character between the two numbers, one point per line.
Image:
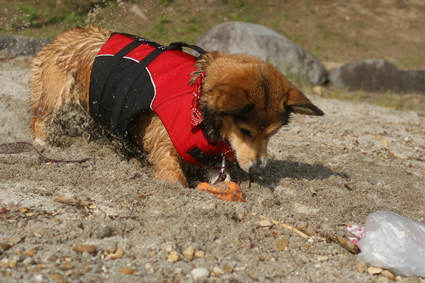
394	242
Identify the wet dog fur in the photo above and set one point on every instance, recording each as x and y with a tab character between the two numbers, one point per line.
244	101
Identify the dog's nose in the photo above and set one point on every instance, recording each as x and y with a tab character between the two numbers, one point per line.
257	167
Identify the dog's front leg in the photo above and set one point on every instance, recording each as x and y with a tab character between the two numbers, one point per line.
150	134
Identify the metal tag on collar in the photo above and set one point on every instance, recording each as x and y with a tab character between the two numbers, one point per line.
222	175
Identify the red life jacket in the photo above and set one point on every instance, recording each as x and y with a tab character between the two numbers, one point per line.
132	74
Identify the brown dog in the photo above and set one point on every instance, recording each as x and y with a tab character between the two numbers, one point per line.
237	102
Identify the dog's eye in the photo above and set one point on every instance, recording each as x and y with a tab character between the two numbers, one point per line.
246	132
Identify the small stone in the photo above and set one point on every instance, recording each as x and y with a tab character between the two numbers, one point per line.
68	273
114	256
318	90
4	246
152	260
12	263
388	274
173	256
53	257
227	268
414	279
383	279
149	268
199	274
373	270
120	251
246	245
20	224
152	253
168	248
361	266
398	278
24	210
322	258
265	223
29	253
67	265
85	254
372	181
178	271
56	277
4	263
188	253
37	235
302	226
199	254
127	271
28	261
84	248
217	270
237	242
3	210
282	244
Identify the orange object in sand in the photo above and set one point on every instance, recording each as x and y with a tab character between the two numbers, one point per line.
225	190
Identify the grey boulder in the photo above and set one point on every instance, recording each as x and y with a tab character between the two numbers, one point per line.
12	46
377	75
266	44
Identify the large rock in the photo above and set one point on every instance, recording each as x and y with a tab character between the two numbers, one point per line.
377	75
12	46
269	46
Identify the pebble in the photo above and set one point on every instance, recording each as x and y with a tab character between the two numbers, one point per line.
227	268
265	223
237	242
383	279
84	248
373	181
173	256
188	253
217	270
282	244
240	217
67	265
148	267
37	235
85	254
28	261
120	251
414	279
246	245
199	254
127	271
322	258
4	263
199	273
114	256
20	224
388	274
398	278
12	263
29	253
361	266
68	273
374	270
168	248
4	246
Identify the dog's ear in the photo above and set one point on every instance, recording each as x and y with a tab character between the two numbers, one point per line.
297	102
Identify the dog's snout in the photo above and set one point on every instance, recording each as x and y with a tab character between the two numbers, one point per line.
257	167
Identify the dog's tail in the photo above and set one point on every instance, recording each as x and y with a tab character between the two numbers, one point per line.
61	73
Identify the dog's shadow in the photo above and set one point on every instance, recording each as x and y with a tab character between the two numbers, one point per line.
277	170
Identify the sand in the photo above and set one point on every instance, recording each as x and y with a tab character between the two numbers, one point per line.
328	172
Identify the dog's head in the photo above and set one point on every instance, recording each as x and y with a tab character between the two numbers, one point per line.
245	101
